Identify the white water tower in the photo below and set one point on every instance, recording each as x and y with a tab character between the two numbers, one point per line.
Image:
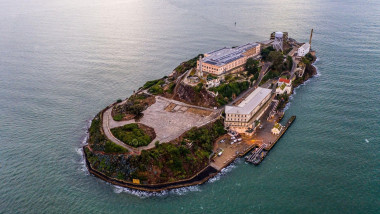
278	43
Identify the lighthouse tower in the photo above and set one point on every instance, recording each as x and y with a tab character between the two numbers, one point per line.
200	72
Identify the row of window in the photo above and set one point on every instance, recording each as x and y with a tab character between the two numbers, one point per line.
237	115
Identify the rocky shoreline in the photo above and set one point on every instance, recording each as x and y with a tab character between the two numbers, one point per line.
200	178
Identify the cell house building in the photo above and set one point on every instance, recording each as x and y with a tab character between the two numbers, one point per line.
243	116
226	60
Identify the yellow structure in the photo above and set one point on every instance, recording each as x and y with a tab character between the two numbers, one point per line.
136	181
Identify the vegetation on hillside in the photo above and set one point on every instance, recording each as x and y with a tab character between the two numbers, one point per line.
307	59
176	160
134	106
111	147
99	142
252	66
288	63
187	65
265	52
228	91
283	98
277	58
179	159
155	86
270	75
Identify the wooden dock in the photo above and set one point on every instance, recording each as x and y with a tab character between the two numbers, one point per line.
259	154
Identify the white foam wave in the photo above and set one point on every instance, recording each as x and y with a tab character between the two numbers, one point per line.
144	194
178	191
80	151
224	171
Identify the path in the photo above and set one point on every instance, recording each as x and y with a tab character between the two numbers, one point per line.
242	96
167	125
106	129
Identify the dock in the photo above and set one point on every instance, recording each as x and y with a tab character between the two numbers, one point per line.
258	154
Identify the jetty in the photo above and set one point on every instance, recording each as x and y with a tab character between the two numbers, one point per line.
258	154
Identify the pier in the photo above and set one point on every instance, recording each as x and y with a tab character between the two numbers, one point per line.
259	153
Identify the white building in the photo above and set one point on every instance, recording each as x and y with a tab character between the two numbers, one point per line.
243	116
213	83
284	85
303	50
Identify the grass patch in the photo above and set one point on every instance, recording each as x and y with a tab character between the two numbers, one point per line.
131	134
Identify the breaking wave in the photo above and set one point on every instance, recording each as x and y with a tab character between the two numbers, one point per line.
80	151
224	171
177	191
144	194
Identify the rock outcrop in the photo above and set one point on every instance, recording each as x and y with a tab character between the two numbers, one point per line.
189	95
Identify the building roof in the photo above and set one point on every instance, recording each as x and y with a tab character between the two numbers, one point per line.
284	80
267	42
305	46
249	103
225	55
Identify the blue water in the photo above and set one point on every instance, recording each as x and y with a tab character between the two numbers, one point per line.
63	61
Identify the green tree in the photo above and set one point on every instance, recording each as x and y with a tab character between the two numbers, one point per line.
265	52
277	59
252	66
289	63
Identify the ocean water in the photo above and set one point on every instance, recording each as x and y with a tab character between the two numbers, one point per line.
63	61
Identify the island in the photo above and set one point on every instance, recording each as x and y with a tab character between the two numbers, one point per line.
184	128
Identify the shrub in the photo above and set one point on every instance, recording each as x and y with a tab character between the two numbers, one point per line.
270	75
97	139
118	117
131	135
230	89
188	64
277	59
171	87
204	137
156	89
265	52
112	147
255	77
199	87
252	66
150	83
